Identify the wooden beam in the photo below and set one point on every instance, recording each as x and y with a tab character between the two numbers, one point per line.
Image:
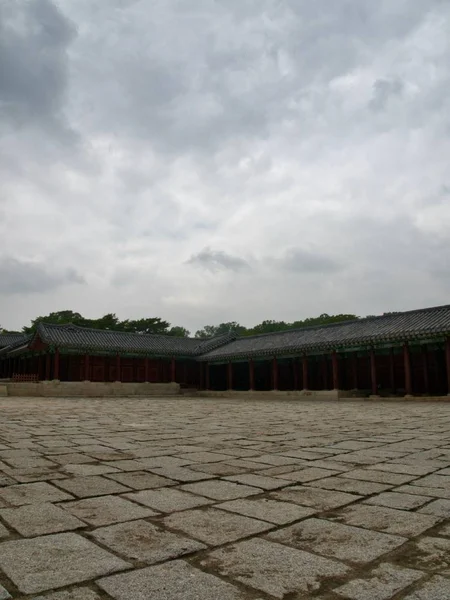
172	369
207	375
146	369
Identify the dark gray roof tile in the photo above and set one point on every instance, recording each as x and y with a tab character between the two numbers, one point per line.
396	328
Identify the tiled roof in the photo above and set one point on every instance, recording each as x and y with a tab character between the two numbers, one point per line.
100	340
395	328
6	339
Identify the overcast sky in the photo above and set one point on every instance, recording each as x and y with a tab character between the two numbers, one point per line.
218	160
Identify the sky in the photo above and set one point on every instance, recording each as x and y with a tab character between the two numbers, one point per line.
206	161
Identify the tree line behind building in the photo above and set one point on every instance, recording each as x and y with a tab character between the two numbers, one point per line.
157	325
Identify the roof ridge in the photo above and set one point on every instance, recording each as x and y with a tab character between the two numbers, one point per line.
110	331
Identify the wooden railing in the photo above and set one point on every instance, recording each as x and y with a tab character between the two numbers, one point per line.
22	378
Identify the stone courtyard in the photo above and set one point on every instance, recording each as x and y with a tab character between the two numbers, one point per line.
213	499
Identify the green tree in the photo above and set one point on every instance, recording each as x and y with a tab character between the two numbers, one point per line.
268	327
323	319
57	318
148	325
108	321
223	328
178	331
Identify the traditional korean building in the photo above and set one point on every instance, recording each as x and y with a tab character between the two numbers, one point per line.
401	353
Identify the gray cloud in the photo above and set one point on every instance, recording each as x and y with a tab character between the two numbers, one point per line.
308	261
310	135
23	277
34	37
217	260
383	89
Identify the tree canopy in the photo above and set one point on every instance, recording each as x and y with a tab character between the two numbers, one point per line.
270	326
157	325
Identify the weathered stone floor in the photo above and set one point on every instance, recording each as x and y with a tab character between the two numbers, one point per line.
197	499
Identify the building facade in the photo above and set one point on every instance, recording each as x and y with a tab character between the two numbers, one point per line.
396	354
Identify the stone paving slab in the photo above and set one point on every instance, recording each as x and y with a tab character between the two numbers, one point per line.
441	508
353	486
263	482
172	581
94	485
52	561
104	510
266	509
396	500
141	480
274	569
39	519
168	500
437	588
215	527
388	520
221	490
81	593
381	584
299	498
3	532
32	493
145	542
315	498
429	554
337	541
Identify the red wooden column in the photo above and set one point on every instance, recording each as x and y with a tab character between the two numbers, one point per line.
305	372
392	370
207	375
56	365
426	379
447	363
373	373
295	373
172	369
407	364
334	362
47	367
86	368
354	366
146	369
230	375
274	374
251	374
118	368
